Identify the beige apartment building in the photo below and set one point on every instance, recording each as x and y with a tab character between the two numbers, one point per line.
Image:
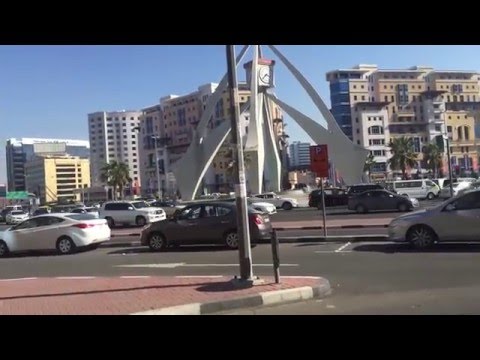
414	103
55	178
167	130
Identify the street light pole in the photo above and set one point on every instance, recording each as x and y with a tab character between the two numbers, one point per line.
157	166
245	255
449	161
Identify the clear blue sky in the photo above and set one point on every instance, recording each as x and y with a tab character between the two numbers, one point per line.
47	91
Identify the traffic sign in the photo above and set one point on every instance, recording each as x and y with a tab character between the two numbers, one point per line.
319	160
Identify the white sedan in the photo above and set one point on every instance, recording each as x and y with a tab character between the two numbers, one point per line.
16	217
278	201
63	232
263	207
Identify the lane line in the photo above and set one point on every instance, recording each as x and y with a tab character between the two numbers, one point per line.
75	277
199	277
343	247
333	252
19	279
135	277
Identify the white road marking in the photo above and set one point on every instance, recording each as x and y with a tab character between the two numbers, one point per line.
332	252
331	306
75	277
135	277
19	279
343	247
300	277
154	266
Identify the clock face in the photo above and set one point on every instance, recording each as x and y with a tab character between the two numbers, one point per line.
264	75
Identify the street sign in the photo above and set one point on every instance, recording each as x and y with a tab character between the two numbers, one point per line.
319	160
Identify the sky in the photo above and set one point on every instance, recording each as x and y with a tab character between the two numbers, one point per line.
47	91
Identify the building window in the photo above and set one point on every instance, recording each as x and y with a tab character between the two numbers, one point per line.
134	148
356	120
386	98
358	142
363	97
385	87
449	129
124	136
467	133
355	97
358	131
393	98
459	133
354	86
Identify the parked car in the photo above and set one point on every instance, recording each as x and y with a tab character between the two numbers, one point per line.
169	206
360	188
16	217
263	207
381	200
62	232
130	213
41	211
274	199
205	223
7	209
458	188
87	210
333	197
456	219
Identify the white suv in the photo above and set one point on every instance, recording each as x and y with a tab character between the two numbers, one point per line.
130	213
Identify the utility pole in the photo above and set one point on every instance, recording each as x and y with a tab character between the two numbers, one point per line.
449	161
245	254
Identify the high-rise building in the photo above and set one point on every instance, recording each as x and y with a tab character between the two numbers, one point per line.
19	151
55	178
299	155
173	122
412	102
114	137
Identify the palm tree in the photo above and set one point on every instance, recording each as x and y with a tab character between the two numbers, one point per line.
116	175
433	158
369	163
403	155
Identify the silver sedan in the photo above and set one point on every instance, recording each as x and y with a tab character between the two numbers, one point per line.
457	219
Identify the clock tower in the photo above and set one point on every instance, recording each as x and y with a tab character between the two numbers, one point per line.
265	71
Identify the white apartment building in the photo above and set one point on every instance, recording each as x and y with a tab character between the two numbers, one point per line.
114	137
371	131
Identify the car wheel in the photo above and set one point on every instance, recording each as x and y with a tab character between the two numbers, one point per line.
361	209
421	236
157	242
287	206
403	207
65	245
110	222
430	196
140	221
3	249
231	240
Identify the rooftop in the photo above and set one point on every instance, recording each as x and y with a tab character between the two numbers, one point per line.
31	141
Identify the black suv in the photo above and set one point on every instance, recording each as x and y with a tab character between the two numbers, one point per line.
358	189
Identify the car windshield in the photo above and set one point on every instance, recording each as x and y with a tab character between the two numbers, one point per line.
17	213
140	205
81	217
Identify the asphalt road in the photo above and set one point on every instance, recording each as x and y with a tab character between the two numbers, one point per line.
366	278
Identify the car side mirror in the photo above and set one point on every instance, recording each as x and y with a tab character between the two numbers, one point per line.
450	207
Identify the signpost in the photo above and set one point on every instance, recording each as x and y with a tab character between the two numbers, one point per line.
320	166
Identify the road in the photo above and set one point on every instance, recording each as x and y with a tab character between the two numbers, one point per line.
367	278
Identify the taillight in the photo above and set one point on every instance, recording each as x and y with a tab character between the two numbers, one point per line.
257	219
83	226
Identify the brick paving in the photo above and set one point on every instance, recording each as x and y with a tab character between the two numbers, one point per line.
120	295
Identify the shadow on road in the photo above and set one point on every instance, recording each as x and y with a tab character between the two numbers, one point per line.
406	248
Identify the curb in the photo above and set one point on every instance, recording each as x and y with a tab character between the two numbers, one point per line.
261	299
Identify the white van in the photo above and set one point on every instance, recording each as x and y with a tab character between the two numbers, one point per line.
420	189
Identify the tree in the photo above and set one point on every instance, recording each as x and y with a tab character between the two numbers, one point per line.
369	163
403	155
432	155
116	175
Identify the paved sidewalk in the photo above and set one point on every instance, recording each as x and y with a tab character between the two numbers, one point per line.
134	294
